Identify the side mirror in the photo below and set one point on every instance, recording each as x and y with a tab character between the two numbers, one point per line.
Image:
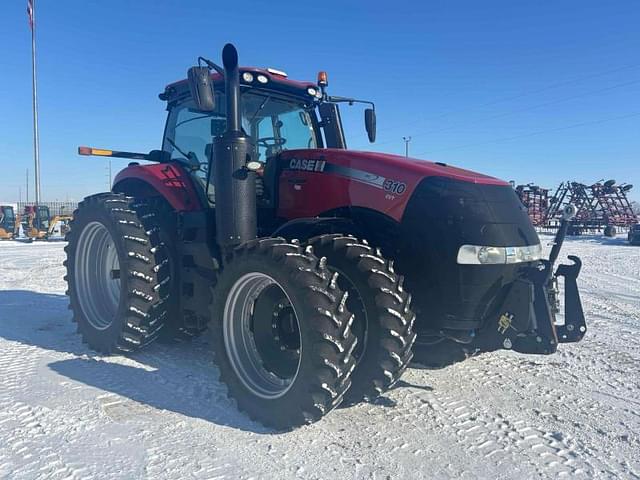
370	123
159	156
201	88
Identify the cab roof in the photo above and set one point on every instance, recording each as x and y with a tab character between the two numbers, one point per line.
275	82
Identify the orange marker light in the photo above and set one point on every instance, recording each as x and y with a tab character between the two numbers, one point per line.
95	151
101	152
323	80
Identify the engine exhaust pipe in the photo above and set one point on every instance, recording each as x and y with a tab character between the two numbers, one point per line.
232	87
235	186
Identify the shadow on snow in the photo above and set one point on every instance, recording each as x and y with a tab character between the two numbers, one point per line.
177	377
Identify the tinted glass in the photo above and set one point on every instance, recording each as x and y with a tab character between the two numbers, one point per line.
8	213
274	124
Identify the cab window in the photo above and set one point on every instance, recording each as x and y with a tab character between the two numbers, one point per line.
274	123
42	218
277	124
189	132
7	213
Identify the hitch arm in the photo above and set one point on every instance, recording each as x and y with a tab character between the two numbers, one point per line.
568	213
574	326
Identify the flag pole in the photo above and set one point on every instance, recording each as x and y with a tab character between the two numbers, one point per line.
36	138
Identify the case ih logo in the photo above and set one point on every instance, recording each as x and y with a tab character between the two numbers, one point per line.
387	184
307	165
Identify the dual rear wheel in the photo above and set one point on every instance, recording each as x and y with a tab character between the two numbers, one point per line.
303	328
296	329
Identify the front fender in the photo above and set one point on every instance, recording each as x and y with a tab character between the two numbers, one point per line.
305	228
169	180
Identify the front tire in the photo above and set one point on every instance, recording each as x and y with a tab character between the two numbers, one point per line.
610	231
281	334
384	320
117	273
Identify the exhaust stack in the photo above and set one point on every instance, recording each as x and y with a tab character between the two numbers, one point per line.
235	187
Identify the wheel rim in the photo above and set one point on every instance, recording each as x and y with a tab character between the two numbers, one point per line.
262	335
97	275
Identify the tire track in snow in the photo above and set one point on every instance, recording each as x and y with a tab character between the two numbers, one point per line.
163	414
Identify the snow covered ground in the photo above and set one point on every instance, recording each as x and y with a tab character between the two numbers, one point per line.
66	412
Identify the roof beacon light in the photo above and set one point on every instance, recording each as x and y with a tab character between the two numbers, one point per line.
323	80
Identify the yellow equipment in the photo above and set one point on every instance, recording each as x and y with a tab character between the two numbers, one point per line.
7	222
37	223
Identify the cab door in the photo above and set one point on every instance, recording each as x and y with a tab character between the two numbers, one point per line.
42	217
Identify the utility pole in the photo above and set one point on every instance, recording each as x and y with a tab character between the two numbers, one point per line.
27	185
31	11
406	145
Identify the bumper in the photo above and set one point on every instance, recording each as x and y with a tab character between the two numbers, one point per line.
490	306
526	320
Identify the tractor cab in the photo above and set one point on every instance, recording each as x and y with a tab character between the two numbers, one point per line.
277	114
36	221
7	222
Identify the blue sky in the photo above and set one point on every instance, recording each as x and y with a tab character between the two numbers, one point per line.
531	91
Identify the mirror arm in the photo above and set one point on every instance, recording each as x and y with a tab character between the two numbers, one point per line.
350	101
211	65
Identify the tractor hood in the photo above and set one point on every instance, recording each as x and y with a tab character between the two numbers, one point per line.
423	168
380	165
372	180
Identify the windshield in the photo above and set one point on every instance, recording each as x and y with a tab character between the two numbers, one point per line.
43	217
7	213
273	122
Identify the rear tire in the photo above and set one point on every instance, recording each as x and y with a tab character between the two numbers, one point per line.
165	219
384	320
610	231
281	334
117	273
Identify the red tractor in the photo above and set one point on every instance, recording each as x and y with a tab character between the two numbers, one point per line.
301	257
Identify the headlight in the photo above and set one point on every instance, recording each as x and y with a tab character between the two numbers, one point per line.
485	255
247	77
262	79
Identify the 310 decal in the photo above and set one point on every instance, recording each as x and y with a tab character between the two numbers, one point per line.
394	186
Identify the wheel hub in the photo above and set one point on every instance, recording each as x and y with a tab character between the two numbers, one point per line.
285	327
262	335
97	275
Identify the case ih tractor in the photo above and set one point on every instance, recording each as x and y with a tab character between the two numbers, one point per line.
313	267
